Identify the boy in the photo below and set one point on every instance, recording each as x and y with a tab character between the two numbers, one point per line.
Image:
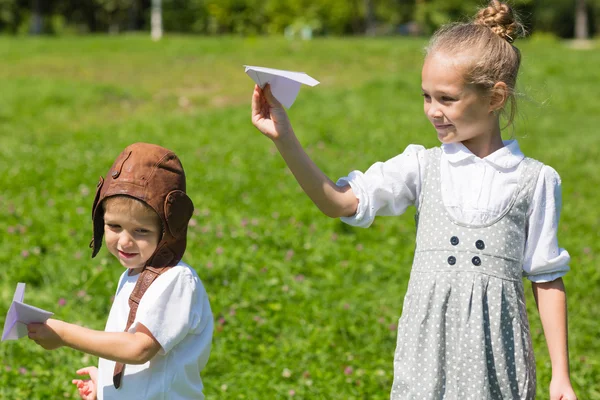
160	324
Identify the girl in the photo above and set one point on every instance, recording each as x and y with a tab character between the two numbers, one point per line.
486	216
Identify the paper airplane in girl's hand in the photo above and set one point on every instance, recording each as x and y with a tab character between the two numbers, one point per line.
285	85
20	314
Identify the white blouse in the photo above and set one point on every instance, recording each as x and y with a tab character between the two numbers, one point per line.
474	190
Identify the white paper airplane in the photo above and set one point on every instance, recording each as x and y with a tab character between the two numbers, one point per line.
20	314
285	85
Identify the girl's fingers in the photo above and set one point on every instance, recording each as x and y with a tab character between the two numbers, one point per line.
259	103
265	96
272	101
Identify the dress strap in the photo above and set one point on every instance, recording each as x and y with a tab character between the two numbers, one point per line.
527	182
430	182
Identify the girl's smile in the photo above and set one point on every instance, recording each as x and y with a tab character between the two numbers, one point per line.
443	130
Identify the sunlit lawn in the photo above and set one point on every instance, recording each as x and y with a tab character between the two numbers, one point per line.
305	306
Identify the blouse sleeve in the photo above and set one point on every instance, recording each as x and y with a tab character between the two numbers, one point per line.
168	306
386	188
544	260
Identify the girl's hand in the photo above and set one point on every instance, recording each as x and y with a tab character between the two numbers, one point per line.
268	114
560	389
46	335
88	389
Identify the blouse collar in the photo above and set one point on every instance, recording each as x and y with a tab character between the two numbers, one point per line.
507	157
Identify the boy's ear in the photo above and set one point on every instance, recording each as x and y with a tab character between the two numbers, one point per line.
499	96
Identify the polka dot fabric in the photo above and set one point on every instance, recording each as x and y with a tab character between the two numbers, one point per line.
464	332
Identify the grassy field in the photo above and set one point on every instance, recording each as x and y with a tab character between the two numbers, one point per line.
305	306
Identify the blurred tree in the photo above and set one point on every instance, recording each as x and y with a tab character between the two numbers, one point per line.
185	16
581	20
247	17
156	20
433	13
370	23
36	17
133	16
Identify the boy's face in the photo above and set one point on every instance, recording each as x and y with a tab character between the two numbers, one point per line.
131	235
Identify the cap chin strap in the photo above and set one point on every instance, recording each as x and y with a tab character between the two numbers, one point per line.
147	276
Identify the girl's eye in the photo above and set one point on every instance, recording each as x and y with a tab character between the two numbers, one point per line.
446	98
142	231
113	226
425	95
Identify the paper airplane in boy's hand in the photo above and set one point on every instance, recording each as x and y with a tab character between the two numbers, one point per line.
20	314
285	85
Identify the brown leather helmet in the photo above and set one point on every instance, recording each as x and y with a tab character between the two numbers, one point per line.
155	176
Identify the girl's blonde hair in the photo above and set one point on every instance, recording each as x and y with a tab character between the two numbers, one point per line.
488	38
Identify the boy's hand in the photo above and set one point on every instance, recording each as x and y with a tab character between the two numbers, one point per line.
46	335
268	114
88	389
561	390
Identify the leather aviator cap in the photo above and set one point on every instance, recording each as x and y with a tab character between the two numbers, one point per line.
155	176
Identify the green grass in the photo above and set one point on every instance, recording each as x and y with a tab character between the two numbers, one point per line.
306	306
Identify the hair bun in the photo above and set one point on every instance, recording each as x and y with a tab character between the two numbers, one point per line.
499	17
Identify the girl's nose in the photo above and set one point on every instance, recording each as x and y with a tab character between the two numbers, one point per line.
434	112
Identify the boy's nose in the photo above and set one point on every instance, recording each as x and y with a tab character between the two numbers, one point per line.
125	240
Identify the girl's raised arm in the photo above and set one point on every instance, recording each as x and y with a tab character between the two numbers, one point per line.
269	116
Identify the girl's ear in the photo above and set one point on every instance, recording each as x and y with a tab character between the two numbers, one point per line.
499	96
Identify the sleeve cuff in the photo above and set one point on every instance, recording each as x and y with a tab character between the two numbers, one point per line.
549	277
359	219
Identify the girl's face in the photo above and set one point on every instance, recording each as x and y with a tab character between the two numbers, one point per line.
131	236
458	111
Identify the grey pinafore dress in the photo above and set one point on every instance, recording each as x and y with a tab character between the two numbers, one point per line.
464	333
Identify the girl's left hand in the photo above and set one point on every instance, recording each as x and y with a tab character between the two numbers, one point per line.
46	335
561	390
268	114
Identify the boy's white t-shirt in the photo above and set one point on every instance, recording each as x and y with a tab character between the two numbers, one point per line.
176	310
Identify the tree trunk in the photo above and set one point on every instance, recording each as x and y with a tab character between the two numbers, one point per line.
581	20
156	20
133	16
370	23
36	17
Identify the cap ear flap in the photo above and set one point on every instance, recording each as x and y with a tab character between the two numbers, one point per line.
178	211
98	221
163	256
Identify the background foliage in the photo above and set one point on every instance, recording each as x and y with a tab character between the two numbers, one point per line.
305	306
325	17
